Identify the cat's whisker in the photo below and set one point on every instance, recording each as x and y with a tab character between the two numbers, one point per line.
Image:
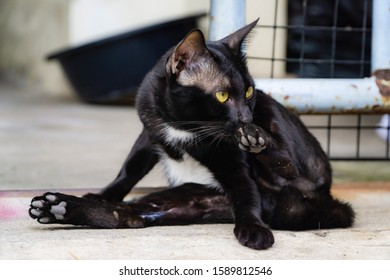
214	130
221	137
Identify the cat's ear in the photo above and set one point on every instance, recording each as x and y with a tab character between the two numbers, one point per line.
188	50
235	40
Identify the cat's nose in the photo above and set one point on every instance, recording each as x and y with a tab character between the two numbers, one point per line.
245	115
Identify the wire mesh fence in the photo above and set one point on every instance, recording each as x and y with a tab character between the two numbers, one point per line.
327	39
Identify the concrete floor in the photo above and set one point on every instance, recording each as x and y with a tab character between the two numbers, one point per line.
64	145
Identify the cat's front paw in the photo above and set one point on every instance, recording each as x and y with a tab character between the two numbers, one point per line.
250	139
254	236
48	209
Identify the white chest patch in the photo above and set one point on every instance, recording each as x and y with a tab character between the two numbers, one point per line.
187	170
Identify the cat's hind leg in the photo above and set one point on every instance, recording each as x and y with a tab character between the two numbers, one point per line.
187	204
58	208
291	210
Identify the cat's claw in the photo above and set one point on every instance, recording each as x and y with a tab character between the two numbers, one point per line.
249	139
48	209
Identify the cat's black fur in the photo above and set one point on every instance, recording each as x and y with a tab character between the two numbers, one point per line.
261	168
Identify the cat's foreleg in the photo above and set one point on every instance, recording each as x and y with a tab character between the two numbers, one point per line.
245	199
249	229
138	163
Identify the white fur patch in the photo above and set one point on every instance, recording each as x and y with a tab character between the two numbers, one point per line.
177	136
187	170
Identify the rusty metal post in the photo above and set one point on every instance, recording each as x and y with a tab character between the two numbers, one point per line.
380	57
380	45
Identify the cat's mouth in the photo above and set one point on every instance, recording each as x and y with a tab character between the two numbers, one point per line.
250	139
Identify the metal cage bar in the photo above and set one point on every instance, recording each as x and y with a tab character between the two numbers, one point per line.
226	16
380	58
369	95
328	96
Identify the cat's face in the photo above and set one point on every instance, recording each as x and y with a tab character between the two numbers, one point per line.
209	82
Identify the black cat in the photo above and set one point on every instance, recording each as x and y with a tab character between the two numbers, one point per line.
230	152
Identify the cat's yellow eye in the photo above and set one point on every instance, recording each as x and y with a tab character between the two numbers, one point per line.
249	93
222	96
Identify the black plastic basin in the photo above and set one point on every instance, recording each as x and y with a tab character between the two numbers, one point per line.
109	71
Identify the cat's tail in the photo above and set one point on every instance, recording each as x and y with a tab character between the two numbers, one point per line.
293	211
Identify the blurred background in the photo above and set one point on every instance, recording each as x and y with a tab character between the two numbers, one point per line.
54	137
50	138
30	30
